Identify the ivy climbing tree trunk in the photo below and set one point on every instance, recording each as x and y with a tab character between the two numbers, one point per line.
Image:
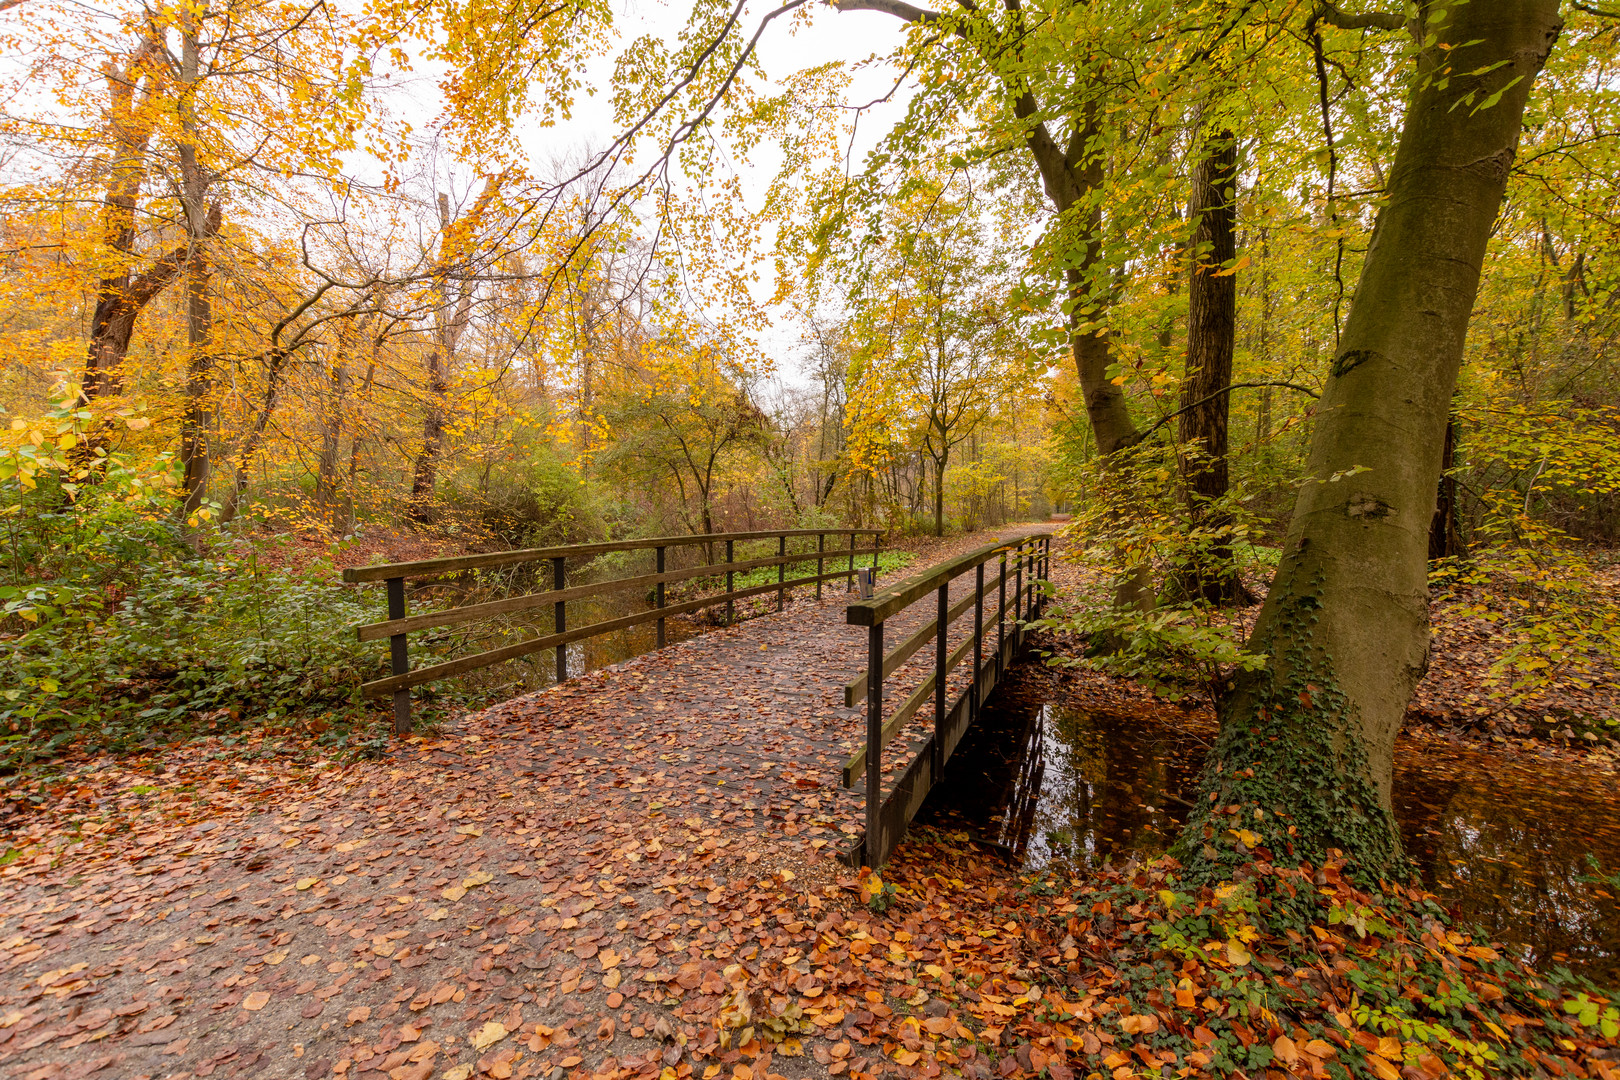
1303	762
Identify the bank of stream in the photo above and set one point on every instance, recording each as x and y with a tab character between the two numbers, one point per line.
1519	847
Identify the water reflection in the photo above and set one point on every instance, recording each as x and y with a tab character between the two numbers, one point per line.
1504	842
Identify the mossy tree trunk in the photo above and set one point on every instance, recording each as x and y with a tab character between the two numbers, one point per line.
1303	763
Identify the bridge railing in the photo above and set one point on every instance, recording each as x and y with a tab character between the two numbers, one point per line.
1019	568
400	624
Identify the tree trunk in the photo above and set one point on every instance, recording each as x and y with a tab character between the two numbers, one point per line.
450	321
1211	341
254	438
1445	539
326	471
1304	756
939	494
117	305
202	222
426	471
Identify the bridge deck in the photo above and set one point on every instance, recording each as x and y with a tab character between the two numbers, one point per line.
488	874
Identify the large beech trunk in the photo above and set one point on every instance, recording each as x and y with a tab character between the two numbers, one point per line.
1303	763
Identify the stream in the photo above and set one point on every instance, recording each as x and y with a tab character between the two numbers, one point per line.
1505	841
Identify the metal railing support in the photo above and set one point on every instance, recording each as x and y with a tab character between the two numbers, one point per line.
660	598
978	640
559	581
731	611
1001	614
399	659
942	622
874	740
821	557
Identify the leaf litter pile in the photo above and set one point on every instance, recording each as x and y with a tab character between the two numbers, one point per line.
633	875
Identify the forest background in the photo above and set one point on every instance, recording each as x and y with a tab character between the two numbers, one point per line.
261	300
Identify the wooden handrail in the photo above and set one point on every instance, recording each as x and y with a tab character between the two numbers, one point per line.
887	817
855	768
399	624
903	595
425	567
855	689
470	612
462	665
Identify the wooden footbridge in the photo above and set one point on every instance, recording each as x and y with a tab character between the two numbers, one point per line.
819	725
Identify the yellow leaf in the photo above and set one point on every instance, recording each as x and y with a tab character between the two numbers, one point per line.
488	1035
1236	954
307	883
256	1001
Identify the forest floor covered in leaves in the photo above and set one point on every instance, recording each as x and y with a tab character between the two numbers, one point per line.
631	875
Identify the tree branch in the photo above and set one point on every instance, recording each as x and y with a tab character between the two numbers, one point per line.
898	8
1328	12
1224	390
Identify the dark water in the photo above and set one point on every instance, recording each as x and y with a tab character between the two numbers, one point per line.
1504	842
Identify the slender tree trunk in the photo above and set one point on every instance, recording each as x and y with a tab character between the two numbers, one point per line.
426	470
1211	343
1445	540
326	472
201	223
450	322
939	494
1304	756
255	435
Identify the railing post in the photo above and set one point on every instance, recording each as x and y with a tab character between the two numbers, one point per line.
874	743
1046	568
731	613
877	548
559	581
849	578
399	660
1001	613
821	560
660	598
781	572
1018	589
977	698
940	653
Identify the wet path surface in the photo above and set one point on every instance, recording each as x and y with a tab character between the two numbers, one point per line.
1516	847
